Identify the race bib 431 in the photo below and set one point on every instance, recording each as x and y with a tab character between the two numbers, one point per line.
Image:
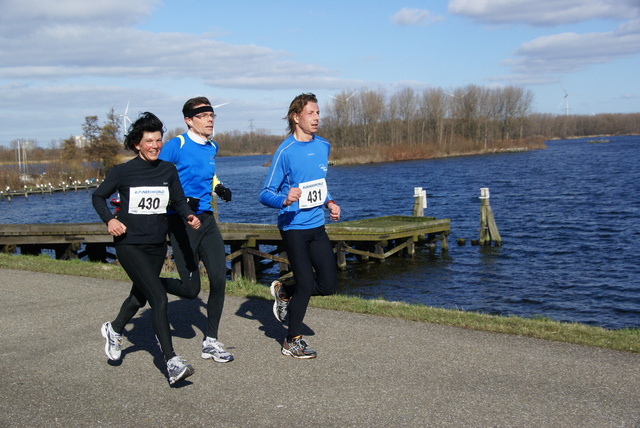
313	193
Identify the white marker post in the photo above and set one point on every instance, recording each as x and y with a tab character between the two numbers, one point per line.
419	201
488	228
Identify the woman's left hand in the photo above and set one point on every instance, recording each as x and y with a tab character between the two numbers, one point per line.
193	221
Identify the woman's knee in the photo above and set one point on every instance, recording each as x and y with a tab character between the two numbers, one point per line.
192	287
159	303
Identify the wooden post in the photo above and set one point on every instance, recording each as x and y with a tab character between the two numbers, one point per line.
488	228
214	205
419	201
341	257
248	260
236	262
282	266
444	243
411	246
379	250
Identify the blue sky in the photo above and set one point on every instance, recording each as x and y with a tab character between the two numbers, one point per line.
63	60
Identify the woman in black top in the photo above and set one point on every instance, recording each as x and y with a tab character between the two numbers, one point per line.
146	185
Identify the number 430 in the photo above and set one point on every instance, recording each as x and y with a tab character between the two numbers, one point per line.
149	203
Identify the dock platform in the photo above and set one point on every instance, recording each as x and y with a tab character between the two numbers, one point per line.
253	247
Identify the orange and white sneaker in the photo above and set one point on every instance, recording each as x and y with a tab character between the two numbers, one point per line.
281	301
298	348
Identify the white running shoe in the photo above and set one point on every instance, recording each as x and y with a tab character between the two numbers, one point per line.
178	369
213	349
113	344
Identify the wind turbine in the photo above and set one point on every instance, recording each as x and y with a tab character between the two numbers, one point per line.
125	119
565	100
215	107
457	96
346	98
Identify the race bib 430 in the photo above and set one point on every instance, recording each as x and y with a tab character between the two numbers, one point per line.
148	200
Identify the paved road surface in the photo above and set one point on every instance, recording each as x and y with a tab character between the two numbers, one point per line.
370	371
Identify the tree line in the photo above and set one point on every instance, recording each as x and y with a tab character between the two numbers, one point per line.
363	126
435	122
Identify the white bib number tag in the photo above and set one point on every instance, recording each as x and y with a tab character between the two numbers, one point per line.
148	200
313	193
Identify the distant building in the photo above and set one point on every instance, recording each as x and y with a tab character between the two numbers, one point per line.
80	141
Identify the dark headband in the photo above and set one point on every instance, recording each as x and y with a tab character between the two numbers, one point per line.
198	110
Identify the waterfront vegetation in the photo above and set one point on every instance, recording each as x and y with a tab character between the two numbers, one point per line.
363	126
536	327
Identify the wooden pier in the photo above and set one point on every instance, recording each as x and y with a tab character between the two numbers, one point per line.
7	194
253	247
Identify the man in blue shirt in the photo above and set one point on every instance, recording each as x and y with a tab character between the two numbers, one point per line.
193	154
296	185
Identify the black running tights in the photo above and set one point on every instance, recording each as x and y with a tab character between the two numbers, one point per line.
308	250
143	263
190	246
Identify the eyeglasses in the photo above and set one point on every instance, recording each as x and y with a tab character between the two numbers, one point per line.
204	116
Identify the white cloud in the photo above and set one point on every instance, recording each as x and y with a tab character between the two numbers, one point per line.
79	58
571	52
46	13
525	79
544	12
65	52
414	17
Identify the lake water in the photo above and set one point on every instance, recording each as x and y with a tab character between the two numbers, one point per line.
568	217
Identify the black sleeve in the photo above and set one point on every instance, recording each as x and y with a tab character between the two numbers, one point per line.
100	195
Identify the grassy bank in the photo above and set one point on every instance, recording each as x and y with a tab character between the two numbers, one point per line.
377	153
540	328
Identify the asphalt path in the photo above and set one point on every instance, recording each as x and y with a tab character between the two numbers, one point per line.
370	371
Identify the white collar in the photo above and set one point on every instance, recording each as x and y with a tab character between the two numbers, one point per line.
197	138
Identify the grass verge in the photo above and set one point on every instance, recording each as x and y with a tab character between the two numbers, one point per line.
540	328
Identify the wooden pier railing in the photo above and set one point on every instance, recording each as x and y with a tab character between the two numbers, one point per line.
253	247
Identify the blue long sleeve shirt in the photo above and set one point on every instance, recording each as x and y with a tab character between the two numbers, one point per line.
296	162
196	164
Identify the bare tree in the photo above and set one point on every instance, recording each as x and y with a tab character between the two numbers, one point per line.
368	112
406	106
340	117
433	108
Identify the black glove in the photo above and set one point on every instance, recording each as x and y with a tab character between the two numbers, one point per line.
223	192
193	203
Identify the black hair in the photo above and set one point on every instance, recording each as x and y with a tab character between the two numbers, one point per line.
146	122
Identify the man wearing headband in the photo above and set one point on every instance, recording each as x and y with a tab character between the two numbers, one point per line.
193	154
